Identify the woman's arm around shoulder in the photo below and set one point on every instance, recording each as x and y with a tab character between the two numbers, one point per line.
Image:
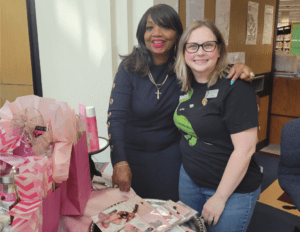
241	71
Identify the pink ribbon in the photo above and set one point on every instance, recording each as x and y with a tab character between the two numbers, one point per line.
23	124
25	121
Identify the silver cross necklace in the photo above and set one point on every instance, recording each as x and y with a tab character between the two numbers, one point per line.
158	86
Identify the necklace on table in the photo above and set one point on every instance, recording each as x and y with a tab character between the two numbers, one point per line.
158	86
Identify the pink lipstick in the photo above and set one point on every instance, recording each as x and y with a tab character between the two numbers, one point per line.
158	43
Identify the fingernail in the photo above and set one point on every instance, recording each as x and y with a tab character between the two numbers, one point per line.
232	82
226	76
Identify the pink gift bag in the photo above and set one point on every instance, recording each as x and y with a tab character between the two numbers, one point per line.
38	204
51	211
50	207
76	190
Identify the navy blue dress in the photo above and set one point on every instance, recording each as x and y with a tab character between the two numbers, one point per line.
142	131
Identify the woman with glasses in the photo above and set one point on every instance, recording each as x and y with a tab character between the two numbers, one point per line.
218	122
144	141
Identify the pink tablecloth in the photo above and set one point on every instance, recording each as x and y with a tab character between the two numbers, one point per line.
99	200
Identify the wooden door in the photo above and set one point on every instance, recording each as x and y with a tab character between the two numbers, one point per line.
15	69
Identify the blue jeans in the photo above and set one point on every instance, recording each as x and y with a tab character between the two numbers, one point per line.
238	210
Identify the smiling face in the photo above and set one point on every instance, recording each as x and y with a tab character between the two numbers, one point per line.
202	63
159	41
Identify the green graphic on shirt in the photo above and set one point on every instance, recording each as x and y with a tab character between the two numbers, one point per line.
183	124
189	95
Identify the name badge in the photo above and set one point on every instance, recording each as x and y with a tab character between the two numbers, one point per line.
211	93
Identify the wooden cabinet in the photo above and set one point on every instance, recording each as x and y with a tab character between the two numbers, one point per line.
263	117
286	97
285	105
276	124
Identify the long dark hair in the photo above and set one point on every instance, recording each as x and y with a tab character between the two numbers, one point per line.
140	59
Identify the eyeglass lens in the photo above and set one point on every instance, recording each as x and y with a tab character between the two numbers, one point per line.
207	46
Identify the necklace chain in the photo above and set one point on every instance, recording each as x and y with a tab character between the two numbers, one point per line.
158	86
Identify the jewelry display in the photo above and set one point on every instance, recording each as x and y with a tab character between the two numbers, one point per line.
195	223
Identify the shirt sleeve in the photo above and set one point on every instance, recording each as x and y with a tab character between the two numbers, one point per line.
118	111
239	109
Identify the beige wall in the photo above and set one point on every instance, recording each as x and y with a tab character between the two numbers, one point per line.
15	69
172	3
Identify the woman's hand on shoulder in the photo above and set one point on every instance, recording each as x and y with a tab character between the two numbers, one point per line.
241	71
213	209
122	176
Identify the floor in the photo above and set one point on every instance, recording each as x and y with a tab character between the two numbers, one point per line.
272	148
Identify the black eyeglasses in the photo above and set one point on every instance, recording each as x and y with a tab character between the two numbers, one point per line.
208	46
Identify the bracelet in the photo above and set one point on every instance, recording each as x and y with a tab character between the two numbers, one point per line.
121	165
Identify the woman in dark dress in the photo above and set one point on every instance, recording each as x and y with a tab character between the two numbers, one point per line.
144	140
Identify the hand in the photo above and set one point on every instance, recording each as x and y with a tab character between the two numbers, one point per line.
122	176
213	209
242	71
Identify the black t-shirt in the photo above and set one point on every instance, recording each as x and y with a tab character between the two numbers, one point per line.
206	118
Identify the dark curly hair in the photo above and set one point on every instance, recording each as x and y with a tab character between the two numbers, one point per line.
140	59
